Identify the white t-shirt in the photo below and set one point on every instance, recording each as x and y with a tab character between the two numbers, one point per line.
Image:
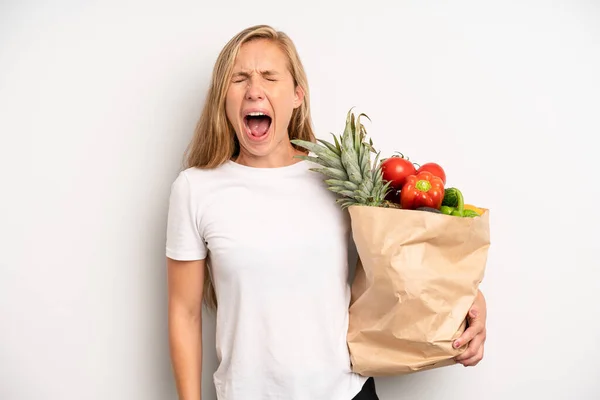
278	246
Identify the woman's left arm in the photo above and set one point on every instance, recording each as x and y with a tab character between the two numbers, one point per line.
474	335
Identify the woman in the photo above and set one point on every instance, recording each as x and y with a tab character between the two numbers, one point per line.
275	238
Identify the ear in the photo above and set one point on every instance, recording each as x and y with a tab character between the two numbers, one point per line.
298	96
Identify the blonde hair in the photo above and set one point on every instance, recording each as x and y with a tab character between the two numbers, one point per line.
214	141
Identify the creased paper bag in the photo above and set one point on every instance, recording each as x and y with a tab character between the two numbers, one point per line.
418	274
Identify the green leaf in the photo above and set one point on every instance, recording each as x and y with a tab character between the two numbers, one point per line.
332	159
342	183
312	159
337	143
330	146
331	173
343	192
352	168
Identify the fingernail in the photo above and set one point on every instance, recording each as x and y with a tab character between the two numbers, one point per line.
473	313
456	344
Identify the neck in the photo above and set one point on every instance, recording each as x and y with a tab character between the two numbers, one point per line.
282	156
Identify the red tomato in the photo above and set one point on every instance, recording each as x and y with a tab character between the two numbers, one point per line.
435	169
396	169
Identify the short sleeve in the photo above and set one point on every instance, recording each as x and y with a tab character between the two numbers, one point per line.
184	241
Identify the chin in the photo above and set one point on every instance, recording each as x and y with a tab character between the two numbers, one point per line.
263	148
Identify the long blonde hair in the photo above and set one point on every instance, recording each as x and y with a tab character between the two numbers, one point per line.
214	141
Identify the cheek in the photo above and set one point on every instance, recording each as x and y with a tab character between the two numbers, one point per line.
283	101
231	105
230	111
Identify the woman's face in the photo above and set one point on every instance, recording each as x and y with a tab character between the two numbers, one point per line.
260	100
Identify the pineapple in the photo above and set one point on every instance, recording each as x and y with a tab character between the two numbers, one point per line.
347	165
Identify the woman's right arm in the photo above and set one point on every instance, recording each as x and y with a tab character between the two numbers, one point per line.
185	286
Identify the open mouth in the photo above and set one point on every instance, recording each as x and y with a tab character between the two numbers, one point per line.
257	123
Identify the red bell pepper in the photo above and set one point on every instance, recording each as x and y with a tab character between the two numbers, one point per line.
422	190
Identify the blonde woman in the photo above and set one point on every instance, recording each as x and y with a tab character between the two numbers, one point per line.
274	237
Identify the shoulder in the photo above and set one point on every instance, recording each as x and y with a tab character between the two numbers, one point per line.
194	178
192	186
194	175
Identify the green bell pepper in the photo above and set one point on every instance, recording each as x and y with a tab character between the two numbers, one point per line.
453	203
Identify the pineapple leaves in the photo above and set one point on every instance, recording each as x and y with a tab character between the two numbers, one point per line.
331	147
313	159
362	132
352	169
341	191
341	183
346	164
332	173
350	152
329	157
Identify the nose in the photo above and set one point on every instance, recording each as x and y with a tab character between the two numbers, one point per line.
254	90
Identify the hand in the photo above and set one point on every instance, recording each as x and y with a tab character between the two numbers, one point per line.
474	335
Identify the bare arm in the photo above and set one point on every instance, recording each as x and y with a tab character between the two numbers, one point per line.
185	286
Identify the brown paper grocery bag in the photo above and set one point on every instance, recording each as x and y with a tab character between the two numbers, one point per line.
417	276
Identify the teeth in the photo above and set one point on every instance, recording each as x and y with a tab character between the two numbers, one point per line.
256	114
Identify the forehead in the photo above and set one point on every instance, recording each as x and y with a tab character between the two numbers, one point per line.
260	54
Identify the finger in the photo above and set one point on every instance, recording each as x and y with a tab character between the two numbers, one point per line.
476	359
472	350
467	336
476	326
477	311
476	315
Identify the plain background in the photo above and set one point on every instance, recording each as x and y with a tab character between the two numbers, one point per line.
99	99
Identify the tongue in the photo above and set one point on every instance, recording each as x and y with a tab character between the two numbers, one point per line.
259	125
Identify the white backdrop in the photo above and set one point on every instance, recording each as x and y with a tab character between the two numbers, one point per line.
98	101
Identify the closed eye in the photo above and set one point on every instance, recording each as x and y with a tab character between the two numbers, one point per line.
239	77
242	76
269	75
